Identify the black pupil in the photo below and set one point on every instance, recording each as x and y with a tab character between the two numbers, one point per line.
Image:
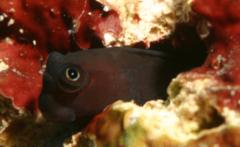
72	73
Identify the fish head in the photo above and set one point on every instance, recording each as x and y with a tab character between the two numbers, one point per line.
78	85
62	82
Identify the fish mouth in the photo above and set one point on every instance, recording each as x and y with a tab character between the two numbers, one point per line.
54	111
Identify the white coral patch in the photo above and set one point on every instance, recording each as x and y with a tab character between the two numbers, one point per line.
3	66
231	117
147	20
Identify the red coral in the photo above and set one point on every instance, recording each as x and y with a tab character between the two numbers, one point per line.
224	51
21	73
58	25
49	22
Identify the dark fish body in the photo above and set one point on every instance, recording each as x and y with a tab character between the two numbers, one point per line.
105	75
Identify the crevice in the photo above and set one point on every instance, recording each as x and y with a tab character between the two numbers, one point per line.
216	119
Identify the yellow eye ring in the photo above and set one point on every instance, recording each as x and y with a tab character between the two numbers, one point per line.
72	74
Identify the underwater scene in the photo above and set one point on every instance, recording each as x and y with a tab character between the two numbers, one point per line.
119	73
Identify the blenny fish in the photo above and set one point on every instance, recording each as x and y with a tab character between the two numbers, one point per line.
81	84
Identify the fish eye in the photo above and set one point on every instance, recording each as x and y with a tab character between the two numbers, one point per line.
72	78
72	74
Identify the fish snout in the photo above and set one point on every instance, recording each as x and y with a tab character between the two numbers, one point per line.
55	56
52	71
54	63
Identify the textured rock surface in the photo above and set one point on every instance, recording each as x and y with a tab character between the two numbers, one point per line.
191	117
